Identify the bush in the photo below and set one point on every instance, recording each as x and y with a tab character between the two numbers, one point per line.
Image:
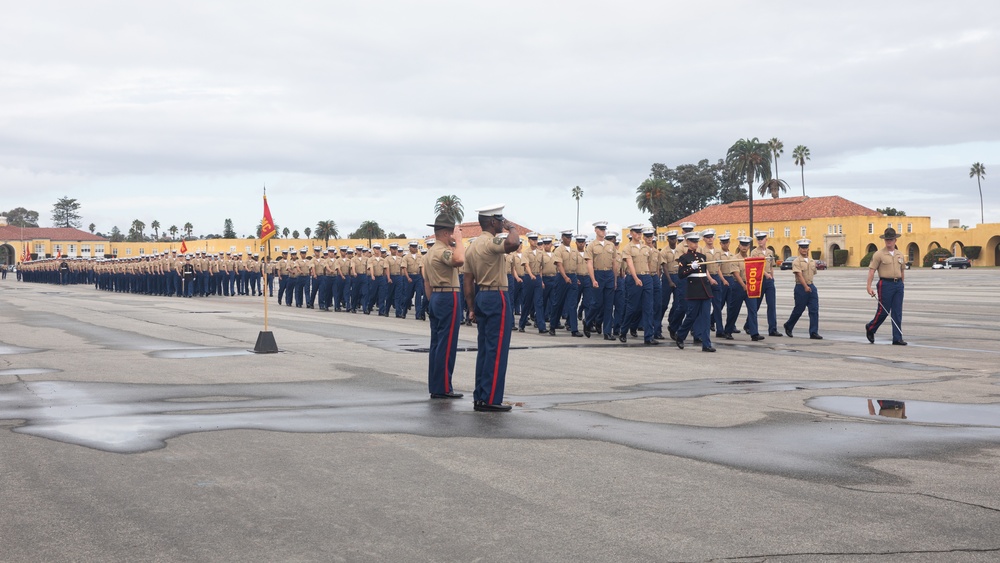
867	260
935	256
816	254
972	252
840	257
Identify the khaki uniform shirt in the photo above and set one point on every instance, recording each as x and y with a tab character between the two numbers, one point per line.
376	265
535	261
805	265
601	253
438	269
413	263
548	264
710	255
888	265
640	258
484	259
518	260
766	253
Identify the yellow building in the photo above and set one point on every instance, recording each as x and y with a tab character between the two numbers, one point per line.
834	223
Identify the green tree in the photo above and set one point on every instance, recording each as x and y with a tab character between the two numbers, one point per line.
135	233
307	231
284	232
890	212
21	217
369	230
577	195
188	227
327	230
449	204
227	229
773	186
91	228
295	234
749	160
777	149
116	235
800	155
66	213
978	171
652	196
173	231
155	225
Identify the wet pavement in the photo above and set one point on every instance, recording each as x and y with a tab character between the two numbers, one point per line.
148	397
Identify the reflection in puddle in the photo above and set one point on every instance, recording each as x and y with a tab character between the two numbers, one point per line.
8	349
927	412
27	371
188	353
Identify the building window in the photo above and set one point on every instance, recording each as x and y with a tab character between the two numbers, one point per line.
99	249
871	228
232	249
741	233
142	252
829	229
840	229
788	232
909	227
899	227
246	249
85	250
728	234
56	249
72	250
802	231
128	252
770	233
39	248
114	251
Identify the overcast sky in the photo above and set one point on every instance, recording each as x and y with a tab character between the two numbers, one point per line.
182	111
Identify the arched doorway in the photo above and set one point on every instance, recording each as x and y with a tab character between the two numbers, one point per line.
957	248
786	252
7	255
992	249
833	255
913	253
871	248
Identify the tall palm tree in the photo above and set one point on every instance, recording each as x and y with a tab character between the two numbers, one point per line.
773	186
577	194
978	171
777	149
800	156
188	227
307	231
155	225
285	232
92	228
138	226
451	205
173	231
749	160
327	230
652	197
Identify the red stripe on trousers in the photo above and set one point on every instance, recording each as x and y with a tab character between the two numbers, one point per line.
879	311
496	365
451	332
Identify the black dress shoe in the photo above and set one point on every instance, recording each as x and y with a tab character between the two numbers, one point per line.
680	343
738	331
446	395
552	331
623	338
577	334
725	336
608	337
586	330
659	337
520	329
633	333
696	340
483	406
870	336
707	349
673	334
815	336
540	331
774	333
788	331
651	342
756	337
899	343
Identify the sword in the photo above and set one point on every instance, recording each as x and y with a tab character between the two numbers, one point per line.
879	301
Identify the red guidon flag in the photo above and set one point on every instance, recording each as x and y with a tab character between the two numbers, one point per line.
184	247
267	223
755	276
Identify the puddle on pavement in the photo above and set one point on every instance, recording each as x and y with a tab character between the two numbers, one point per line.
27	371
189	353
133	418
925	412
6	349
896	364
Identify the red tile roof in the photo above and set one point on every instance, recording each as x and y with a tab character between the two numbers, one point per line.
60	234
777	210
471	229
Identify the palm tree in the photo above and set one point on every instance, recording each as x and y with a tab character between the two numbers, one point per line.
800	156
307	231
188	227
173	231
577	194
285	232
92	227
651	197
451	205
327	230
777	149
295	235
978	171
138	226
772	186
749	160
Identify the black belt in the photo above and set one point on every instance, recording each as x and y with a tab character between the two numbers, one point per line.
892	279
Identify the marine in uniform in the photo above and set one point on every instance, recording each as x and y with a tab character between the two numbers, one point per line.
600	258
565	260
767	292
890	264
655	269
440	281
415	282
698	293
486	295
638	289
548	270
714	258
738	294
532	287
806	297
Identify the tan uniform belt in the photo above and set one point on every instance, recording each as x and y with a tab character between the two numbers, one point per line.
444	289
492	288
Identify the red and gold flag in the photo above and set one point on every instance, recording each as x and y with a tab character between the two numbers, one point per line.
267	229
755	276
184	246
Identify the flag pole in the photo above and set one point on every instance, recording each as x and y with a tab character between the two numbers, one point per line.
263	280
265	340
